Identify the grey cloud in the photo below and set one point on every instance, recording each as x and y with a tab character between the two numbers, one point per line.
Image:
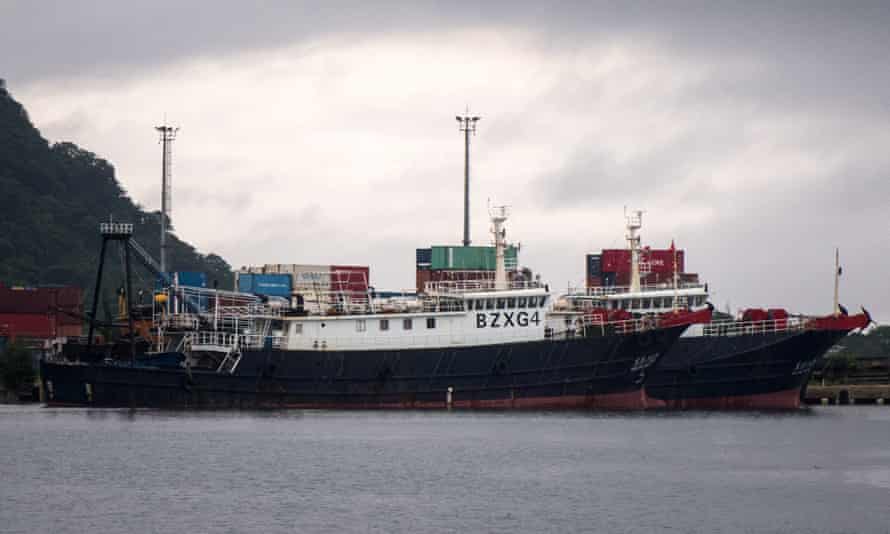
51	39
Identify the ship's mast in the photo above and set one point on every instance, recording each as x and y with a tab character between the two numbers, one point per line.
837	275
499	215
167	136
467	126
634	223
676	274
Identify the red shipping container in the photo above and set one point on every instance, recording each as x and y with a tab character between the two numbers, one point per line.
662	261
659	261
350	278
28	324
41	300
615	260
622	278
423	276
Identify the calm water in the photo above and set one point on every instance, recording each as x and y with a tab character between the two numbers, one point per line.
66	470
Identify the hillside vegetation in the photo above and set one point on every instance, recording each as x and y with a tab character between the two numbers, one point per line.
52	198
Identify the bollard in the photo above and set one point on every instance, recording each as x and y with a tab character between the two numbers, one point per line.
448	396
880	400
823	401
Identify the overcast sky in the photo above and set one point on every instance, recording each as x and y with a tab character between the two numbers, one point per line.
755	135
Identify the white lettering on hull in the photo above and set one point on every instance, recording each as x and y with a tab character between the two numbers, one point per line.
507	319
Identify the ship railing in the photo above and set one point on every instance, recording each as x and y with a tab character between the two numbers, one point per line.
472	286
604	291
259	342
624	326
229	341
740	328
213	339
113	228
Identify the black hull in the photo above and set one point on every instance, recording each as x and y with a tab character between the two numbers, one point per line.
583	372
751	371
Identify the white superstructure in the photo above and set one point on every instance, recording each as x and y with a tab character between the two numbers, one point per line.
636	298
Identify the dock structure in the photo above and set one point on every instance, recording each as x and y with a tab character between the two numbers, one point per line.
848	394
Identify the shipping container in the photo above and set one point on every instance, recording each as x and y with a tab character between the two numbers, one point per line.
660	261
273	285
594	281
311	277
40	325
423	276
185	278
594	265
191	278
471	258
44	300
424	257
350	278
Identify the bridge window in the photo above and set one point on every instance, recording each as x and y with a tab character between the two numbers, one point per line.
360	325
407	324
521	302
298	329
511	302
430	322
647	303
384	324
489	304
543	300
501	303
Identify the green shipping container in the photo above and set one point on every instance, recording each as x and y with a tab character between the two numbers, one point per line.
471	258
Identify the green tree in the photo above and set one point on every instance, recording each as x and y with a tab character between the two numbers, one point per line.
16	368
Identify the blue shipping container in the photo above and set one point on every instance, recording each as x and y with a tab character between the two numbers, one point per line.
424	256
594	265
186	278
274	285
192	279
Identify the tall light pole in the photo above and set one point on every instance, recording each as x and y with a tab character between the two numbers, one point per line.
168	134
467	126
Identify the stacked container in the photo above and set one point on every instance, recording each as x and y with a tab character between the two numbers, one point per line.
272	285
614	267
287	279
42	312
470	258
457	263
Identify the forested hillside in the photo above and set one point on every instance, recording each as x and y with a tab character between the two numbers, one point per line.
52	198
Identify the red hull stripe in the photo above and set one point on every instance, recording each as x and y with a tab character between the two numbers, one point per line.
631	400
788	399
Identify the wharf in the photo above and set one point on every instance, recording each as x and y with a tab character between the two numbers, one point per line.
848	394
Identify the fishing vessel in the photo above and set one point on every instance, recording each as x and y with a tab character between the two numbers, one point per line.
465	344
762	359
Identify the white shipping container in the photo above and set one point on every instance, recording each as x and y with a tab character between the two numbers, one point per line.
311	277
